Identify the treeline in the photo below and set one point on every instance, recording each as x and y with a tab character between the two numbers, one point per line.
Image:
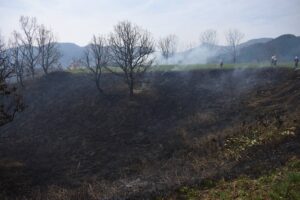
128	47
33	47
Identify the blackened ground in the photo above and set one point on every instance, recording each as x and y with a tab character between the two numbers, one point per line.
70	135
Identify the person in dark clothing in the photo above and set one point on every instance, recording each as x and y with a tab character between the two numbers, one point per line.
221	64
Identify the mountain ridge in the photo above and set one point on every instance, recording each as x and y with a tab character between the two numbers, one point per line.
285	47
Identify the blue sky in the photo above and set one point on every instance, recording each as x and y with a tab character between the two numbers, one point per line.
77	20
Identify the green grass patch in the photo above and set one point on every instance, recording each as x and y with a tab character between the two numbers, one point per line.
213	66
281	184
190	67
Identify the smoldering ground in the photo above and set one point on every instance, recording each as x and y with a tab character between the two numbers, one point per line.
70	135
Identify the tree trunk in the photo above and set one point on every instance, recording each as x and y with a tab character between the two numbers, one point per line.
32	72
131	89
20	80
98	86
45	70
234	56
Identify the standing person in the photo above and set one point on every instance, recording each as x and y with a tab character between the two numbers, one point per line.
272	60
275	60
221	64
296	60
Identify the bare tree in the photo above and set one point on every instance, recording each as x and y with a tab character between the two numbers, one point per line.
10	100
209	39
131	47
168	46
17	58
96	58
5	67
234	38
49	54
29	29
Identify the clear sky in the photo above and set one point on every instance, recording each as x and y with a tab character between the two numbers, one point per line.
77	20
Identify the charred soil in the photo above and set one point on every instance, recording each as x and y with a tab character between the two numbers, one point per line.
180	129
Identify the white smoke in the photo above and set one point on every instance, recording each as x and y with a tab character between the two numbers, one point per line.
197	55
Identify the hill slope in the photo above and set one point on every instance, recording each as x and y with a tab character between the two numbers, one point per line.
285	47
255	50
69	51
174	132
255	41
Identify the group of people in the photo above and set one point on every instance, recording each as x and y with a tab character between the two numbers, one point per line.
274	61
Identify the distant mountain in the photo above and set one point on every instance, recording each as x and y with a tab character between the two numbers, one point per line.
255	41
202	54
285	47
70	52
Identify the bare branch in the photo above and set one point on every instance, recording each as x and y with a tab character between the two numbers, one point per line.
167	46
17	58
96	57
208	38
29	29
234	38
49	54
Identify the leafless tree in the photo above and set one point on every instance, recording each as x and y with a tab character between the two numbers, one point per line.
209	39
10	100
131	48
17	58
96	58
168	46
5	67
234	38
49	54
28	40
